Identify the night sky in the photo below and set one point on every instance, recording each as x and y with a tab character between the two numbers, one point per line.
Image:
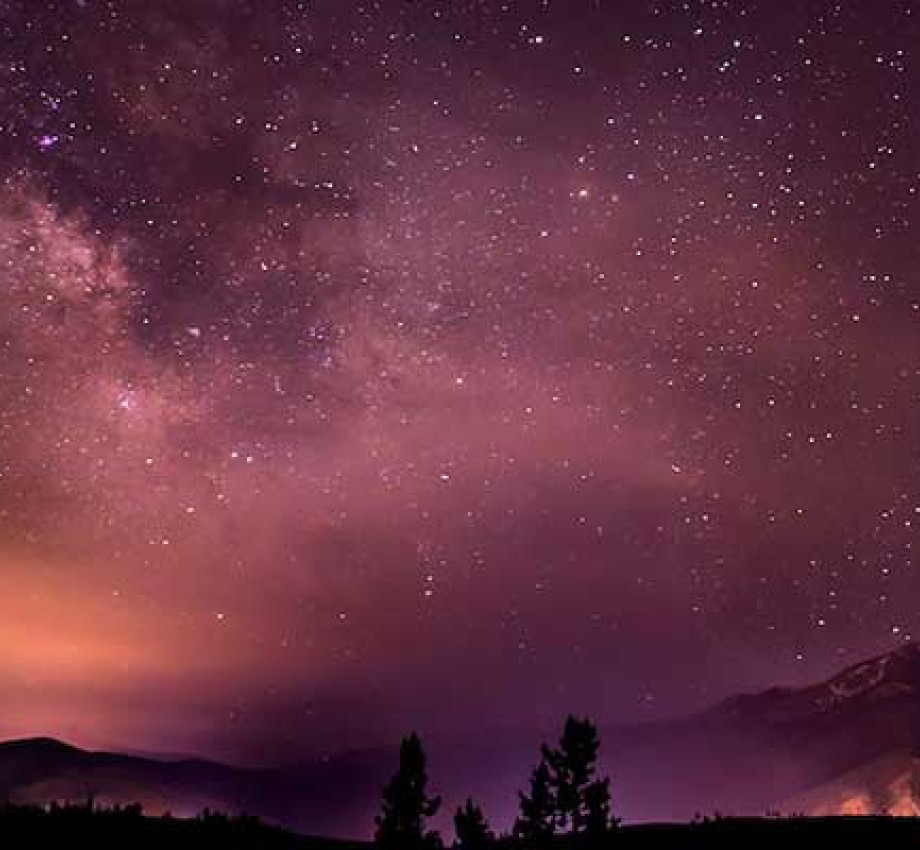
368	366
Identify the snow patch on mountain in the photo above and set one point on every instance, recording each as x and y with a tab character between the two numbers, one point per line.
860	680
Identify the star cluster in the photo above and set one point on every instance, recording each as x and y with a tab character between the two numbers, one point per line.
367	365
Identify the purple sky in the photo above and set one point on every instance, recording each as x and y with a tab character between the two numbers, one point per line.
439	365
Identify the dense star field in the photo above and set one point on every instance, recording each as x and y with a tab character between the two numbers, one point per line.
368	366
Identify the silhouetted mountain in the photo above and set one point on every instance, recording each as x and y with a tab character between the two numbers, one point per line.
778	748
321	797
888	676
844	745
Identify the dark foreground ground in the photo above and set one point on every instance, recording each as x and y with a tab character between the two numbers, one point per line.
774	834
78	827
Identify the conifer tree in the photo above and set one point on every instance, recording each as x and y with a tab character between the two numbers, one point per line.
537	823
406	804
472	829
572	767
598	819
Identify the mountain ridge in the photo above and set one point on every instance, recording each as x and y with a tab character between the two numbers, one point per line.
858	680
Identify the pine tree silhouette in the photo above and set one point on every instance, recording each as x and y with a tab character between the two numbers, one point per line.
537	822
598	819
406	804
572	782
472	830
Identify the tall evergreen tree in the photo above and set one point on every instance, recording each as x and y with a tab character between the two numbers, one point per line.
572	767
598	819
406	804
472	830
537	822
